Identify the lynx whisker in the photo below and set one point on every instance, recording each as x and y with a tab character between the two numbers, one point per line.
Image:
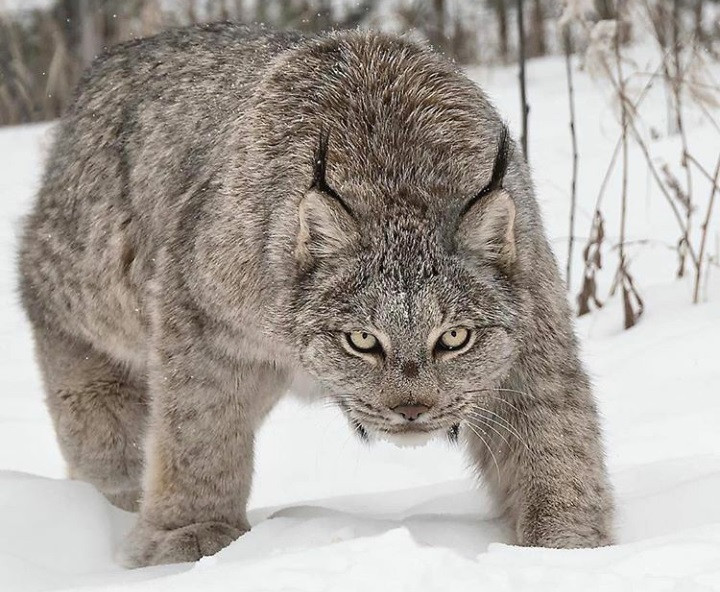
492	454
501	400
474	420
499	421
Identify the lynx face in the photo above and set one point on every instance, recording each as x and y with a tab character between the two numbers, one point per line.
407	315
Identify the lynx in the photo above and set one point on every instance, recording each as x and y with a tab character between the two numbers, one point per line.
227	208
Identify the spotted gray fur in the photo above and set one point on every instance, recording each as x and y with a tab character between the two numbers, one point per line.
223	204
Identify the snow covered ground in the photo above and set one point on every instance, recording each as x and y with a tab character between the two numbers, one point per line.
329	513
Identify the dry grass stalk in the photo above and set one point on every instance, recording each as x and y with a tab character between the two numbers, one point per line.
592	256
683	199
633	305
703	234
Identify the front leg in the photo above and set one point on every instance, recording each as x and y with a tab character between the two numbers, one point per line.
199	454
542	455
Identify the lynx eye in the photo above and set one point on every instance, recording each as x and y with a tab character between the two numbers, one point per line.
453	339
363	341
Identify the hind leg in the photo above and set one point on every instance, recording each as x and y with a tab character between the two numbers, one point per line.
99	410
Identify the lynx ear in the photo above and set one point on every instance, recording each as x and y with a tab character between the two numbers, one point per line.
326	227
487	228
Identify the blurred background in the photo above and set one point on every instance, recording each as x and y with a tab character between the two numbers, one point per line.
45	44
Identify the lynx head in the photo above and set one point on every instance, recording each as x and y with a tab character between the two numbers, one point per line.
406	308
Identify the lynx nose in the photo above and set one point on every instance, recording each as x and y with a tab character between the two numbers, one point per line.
410	412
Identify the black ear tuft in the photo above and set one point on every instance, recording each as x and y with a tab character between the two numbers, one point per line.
326	226
502	157
319	181
320	161
487	221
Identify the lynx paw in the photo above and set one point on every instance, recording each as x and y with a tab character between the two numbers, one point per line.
149	545
559	536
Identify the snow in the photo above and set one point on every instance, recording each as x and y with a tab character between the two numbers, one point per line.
330	513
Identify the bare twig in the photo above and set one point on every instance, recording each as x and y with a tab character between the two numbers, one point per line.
669	198
709	116
704	171
677	92
624	141
525	108
683	199
635	105
573	136
694	84
646	242
703	235
631	312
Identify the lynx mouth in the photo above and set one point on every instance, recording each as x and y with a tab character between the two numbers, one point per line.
409	438
406	437
371	428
